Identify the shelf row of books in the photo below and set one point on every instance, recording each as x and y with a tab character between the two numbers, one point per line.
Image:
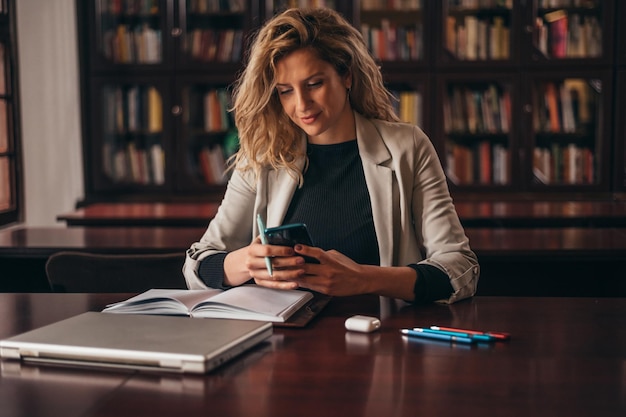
566	164
394	43
132	109
484	163
471	38
216	6
479	4
215	115
477	110
140	44
134	163
409	107
565	107
552	4
212	164
130	7
287	4
210	45
391	5
568	35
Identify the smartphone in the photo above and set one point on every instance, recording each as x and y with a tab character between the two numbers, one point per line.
290	235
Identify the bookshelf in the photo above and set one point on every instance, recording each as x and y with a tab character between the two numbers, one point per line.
520	98
10	136
154	75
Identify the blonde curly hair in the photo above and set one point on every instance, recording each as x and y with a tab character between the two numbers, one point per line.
267	136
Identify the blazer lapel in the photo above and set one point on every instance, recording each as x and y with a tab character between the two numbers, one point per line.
379	180
280	189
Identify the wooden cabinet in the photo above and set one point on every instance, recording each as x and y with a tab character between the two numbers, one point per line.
520	98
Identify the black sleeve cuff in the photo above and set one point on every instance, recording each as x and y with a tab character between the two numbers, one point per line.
432	284
211	271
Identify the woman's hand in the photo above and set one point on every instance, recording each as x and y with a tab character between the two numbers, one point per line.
287	267
335	275
338	275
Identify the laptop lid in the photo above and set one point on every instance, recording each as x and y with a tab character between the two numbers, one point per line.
133	341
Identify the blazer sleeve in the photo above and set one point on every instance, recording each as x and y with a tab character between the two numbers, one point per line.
437	224
231	228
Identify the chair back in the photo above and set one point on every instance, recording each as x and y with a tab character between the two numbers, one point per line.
90	272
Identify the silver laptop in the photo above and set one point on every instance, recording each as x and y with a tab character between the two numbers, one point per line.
142	342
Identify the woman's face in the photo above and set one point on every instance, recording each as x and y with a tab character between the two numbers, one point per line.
315	97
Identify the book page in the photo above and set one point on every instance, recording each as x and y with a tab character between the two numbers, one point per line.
163	301
266	301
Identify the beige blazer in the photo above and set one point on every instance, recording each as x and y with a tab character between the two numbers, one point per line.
414	217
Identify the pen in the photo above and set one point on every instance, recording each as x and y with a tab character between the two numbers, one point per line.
495	335
434	335
268	261
479	337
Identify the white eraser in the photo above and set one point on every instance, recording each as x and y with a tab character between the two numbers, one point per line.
364	324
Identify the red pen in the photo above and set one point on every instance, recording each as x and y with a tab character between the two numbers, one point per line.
495	335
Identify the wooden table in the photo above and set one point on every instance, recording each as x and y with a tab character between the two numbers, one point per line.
24	251
566	358
142	214
542	214
514	261
472	214
569	261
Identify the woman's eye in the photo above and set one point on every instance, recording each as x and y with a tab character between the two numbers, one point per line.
315	84
283	92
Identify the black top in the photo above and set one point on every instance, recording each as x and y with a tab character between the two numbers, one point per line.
335	204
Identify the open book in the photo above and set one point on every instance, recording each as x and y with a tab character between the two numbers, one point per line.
247	302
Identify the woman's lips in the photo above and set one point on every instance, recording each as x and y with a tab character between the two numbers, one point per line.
307	120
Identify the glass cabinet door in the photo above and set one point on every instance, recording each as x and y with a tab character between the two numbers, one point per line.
208	134
132	148
276	6
393	32
571	29
477	128
477	31
568	129
213	32
130	32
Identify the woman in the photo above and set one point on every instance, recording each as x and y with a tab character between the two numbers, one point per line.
321	145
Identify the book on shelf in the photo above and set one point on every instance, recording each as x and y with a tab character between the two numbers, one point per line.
568	34
211	45
393	43
557	32
483	163
155	111
213	164
566	164
474	110
472	38
409	107
216	117
246	302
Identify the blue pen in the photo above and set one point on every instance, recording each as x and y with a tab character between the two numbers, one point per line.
268	261
433	335
477	337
